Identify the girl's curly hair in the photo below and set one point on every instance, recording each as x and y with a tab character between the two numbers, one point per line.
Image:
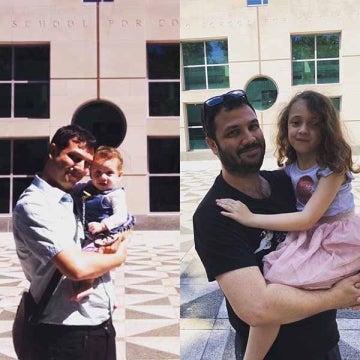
333	152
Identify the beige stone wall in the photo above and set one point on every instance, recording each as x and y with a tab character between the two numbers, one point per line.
259	43
124	28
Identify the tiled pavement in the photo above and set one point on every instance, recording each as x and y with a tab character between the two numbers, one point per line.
147	289
205	331
147	286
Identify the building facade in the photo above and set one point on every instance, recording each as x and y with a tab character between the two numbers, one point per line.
111	66
272	49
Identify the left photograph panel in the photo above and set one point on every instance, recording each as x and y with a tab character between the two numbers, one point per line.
90	179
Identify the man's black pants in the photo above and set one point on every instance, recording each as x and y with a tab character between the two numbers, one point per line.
60	342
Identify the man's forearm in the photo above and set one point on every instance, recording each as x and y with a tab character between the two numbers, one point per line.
79	265
95	265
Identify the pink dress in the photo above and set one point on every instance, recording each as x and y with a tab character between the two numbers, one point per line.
318	257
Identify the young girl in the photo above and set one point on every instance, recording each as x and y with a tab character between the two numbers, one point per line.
324	243
103	206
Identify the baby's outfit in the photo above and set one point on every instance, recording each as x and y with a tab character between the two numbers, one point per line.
329	251
108	207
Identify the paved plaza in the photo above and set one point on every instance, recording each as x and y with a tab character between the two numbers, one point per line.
147	286
205	331
147	293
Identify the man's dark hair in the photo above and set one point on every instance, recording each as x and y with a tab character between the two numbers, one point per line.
64	134
227	102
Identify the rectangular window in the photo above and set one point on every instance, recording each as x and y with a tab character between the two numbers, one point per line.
164	98
25	81
257	2
5	100
15	173
337	103
315	59
164	173
205	65
196	133
163	62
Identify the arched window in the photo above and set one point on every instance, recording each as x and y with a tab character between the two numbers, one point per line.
104	120
262	93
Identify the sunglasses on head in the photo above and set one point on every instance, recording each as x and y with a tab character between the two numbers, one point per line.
231	95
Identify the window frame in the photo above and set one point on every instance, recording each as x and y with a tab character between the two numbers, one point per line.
97	1
260	3
315	59
160	175
337	102
205	64
13	175
194	127
14	83
161	80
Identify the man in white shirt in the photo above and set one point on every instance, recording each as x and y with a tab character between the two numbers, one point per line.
48	235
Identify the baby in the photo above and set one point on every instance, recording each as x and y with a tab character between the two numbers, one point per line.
103	206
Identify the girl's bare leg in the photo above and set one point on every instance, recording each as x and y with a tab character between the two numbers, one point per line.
260	340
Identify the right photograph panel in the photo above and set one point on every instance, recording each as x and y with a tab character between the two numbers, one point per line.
269	180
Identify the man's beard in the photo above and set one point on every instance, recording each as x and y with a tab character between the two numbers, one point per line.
235	164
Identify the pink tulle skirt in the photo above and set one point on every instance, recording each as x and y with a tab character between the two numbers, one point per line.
319	257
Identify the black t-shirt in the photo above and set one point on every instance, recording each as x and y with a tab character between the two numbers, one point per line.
224	245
